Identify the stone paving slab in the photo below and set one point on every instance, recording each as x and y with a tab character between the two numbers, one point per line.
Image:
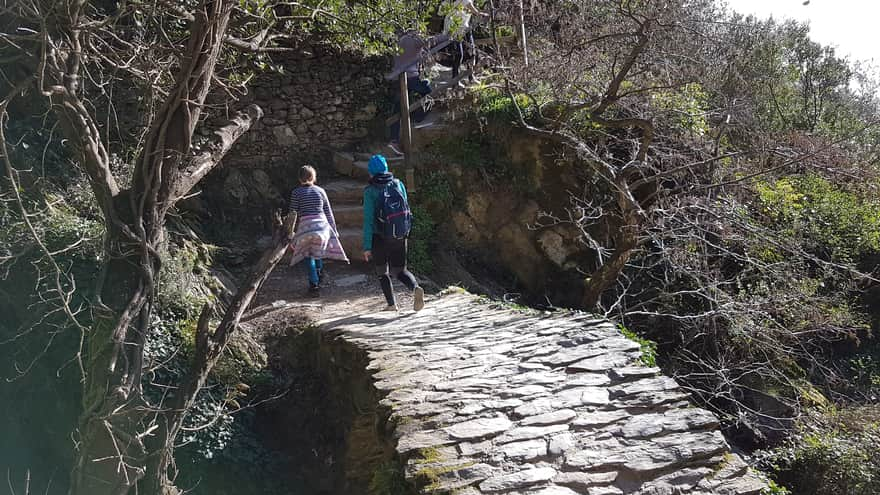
489	400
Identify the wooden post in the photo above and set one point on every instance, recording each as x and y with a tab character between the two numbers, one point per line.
522	33
406	131
405	123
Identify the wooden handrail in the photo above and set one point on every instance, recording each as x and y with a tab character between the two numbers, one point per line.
420	102
440	41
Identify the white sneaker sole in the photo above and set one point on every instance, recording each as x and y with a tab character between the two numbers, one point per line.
418	299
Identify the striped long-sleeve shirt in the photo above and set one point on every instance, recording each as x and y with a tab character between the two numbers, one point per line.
311	200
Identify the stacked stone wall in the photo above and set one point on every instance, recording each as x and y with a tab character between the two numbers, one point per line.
322	100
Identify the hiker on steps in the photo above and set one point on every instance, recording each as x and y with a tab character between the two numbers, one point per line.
315	237
387	223
457	25
411	48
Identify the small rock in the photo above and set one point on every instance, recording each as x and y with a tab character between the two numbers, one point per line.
479	428
632	372
517	480
659	384
524	391
421	440
553	490
580	479
561	443
527	432
528	449
561	416
600	363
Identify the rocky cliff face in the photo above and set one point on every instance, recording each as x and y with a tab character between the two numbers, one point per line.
510	209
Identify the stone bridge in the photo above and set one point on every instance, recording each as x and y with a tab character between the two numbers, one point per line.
485	399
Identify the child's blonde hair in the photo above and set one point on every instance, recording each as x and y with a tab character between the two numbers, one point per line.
307	174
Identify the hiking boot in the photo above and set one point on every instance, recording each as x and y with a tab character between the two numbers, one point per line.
314	289
391	307
395	148
418	299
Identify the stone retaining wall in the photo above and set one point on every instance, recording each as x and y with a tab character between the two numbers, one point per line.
323	100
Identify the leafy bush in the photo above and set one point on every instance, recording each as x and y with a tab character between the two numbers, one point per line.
421	240
687	104
829	220
388	479
833	454
436	190
494	104
467	152
649	347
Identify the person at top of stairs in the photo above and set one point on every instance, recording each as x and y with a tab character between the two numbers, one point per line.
411	50
315	236
457	25
387	222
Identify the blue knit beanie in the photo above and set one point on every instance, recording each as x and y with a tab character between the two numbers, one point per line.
377	165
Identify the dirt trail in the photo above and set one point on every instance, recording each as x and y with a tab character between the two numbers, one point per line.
346	290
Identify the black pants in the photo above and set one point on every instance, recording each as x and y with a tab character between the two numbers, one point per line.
415	84
459	52
391	254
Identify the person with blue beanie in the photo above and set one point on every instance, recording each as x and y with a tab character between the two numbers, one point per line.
387	252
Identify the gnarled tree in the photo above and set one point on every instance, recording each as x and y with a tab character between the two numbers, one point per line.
80	59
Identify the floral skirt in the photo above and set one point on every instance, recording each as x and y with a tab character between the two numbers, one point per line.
315	238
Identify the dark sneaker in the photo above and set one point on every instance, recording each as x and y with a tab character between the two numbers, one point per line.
418	299
314	289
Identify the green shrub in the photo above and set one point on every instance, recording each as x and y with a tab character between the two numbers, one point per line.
469	152
828	220
687	104
388	479
832	454
421	240
775	489
649	347
494	104
435	190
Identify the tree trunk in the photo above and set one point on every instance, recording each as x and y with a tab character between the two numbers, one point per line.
116	447
626	240
607	274
110	451
209	348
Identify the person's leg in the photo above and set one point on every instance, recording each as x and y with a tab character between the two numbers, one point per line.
472	60
312	272
380	265
397	259
419	85
457	56
423	88
319	268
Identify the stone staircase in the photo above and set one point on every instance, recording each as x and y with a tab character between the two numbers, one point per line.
346	197
346	191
